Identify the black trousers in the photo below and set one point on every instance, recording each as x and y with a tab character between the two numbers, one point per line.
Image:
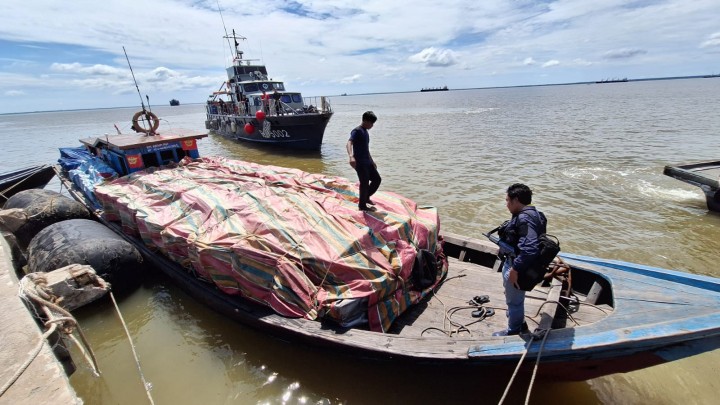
369	181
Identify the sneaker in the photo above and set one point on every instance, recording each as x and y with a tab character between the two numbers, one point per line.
507	332
371	202
366	208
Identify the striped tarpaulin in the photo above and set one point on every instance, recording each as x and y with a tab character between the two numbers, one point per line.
291	240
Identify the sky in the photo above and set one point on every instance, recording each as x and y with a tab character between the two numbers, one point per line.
60	55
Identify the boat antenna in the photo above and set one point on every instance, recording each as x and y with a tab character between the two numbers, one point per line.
224	27
136	85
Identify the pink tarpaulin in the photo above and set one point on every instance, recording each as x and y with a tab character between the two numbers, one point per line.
288	239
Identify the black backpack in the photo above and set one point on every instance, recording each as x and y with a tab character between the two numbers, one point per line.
549	249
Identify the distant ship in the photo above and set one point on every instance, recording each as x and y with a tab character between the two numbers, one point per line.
444	88
174	102
612	80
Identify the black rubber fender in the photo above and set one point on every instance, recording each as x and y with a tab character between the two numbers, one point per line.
83	241
43	208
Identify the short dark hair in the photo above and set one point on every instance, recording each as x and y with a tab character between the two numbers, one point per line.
521	192
369	116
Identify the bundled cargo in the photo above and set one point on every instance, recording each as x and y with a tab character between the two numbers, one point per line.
288	239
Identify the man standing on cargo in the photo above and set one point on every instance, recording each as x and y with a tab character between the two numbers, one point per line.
522	234
358	149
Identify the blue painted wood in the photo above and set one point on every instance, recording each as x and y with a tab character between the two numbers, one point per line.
664	312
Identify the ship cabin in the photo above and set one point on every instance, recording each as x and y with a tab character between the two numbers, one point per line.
129	153
246	81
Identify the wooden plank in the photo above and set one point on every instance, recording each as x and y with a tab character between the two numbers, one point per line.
471	243
547	313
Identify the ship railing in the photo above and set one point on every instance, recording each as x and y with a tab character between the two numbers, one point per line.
311	105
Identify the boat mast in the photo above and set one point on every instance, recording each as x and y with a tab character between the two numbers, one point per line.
238	54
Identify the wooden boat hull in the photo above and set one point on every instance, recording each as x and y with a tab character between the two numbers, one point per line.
626	328
24	179
705	175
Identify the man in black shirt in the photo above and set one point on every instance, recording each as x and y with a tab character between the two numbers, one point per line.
358	149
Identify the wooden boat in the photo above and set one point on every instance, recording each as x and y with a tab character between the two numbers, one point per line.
251	107
705	175
602	317
24	179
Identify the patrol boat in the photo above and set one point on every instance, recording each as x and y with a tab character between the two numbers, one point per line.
252	107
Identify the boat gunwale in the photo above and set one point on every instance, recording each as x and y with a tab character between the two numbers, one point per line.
440	349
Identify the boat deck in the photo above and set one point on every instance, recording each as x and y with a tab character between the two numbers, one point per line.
466	280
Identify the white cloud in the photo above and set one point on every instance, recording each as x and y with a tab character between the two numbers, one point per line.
178	45
623	53
550	63
713	41
435	57
350	79
14	93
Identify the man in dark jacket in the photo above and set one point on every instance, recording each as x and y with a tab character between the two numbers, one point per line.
358	149
522	233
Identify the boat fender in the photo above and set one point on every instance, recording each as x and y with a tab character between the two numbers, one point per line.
233	126
147	116
83	241
207	124
43	208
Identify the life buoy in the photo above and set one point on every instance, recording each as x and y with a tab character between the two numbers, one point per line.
145	116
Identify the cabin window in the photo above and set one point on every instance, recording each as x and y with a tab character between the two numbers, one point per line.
150	159
285	98
297	98
167	156
250	88
279	86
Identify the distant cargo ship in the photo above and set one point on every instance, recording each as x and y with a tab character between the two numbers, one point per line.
174	102
444	88
613	80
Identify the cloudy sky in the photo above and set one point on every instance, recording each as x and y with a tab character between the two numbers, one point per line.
69	54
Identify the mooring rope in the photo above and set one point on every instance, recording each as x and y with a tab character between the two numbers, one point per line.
132	346
2	192
29	360
545	333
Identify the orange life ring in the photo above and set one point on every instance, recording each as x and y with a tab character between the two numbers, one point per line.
142	117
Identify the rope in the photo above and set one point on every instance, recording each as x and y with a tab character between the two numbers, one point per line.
29	360
517	368
132	346
68	323
537	362
2	193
